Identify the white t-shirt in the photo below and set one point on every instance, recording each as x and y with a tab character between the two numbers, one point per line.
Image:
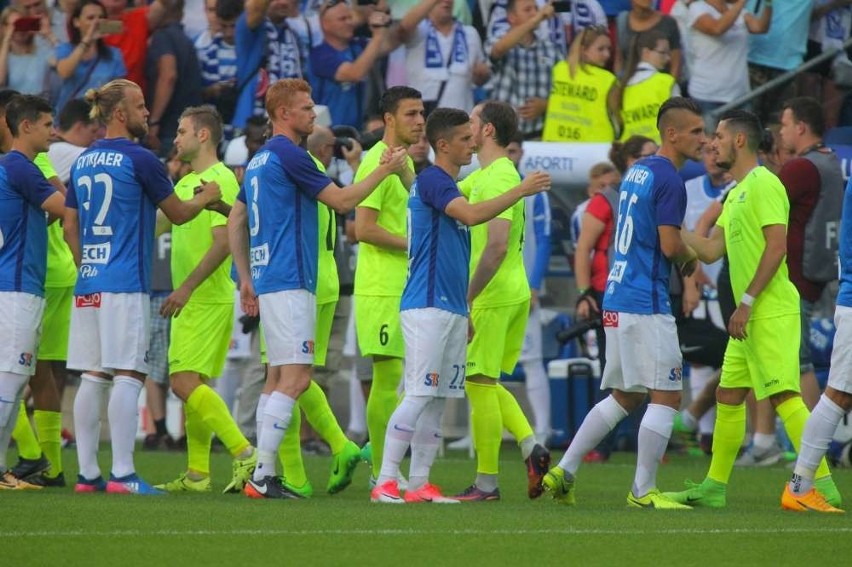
699	196
459	76
62	156
719	70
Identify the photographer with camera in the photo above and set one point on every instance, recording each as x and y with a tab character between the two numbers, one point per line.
342	61
86	61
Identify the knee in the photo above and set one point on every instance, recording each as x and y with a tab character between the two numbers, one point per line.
731	396
842	399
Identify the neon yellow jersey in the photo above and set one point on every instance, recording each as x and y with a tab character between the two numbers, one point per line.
61	271
328	285
381	271
757	201
577	107
509	285
192	240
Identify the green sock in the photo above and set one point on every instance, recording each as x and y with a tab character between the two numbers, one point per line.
381	404
199	438
321	418
794	414
290	450
49	427
728	435
212	409
514	419
486	425
28	447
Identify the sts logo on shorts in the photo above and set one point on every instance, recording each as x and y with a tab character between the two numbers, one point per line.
676	374
308	347
26	359
431	380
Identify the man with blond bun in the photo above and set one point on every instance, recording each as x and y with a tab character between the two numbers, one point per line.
116	187
273	236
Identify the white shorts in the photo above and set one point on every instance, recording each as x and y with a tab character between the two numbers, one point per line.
532	349
110	332
435	352
642	353
289	325
20	327
840	374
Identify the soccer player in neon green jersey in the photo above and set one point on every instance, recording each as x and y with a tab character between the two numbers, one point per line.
762	353
313	401
202	305
380	227
499	296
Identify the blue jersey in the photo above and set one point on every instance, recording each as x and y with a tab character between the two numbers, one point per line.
844	295
438	246
280	189
23	225
115	186
652	194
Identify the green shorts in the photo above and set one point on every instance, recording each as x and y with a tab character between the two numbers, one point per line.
768	360
55	323
200	337
325	318
498	339
378	327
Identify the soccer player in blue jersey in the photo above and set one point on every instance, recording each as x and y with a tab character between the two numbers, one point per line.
25	196
273	234
434	303
642	354
800	494
116	187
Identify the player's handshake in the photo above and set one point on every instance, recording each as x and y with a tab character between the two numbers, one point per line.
208	193
535	182
395	160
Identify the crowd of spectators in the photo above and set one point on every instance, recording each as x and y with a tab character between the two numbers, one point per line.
576	70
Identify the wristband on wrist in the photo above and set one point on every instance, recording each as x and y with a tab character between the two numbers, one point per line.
747	299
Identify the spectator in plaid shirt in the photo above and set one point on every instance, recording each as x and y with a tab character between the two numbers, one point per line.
522	63
218	58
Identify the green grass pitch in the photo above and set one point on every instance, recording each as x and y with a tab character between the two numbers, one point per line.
56	527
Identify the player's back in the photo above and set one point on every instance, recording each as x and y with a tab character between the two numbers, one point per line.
23	226
280	187
438	246
652	194
115	187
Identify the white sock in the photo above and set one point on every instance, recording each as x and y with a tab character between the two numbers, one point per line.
357	404
401	427
707	421
425	443
600	420
276	420
698	378
11	387
654	433
123	412
763	440
258	415
87	423
818	433
538	393
688	420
